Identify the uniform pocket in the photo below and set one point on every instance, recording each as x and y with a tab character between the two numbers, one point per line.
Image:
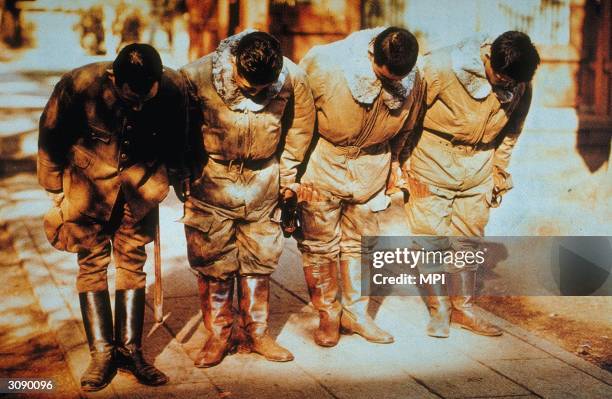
100	134
81	159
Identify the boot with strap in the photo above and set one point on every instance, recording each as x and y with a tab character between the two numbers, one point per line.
355	318
129	321
98	323
439	306
462	286
253	296
216	302
322	282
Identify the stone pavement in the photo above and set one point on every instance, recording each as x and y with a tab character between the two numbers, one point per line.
463	366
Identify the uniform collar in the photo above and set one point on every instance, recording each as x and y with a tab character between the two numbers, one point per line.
470	71
223	80
361	79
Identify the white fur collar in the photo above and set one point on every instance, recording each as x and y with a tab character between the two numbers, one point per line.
470	71
222	70
357	69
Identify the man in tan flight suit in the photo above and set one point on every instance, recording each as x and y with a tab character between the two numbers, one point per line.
368	97
252	124
478	95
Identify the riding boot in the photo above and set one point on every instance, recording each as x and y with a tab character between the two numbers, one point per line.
216	302
463	285
98	323
253	296
322	282
355	317
129	321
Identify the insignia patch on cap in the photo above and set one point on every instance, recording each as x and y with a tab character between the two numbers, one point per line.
136	58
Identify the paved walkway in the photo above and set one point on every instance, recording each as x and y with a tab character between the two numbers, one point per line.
463	366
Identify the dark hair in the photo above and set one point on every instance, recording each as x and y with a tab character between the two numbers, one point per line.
259	58
513	55
397	49
139	65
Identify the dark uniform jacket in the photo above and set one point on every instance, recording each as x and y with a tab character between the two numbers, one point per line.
92	146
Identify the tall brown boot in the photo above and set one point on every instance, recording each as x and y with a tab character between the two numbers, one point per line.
462	287
355	317
216	304
439	305
322	282
254	295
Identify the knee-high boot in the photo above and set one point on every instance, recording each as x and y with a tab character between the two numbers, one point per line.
322	282
98	323
253	295
439	306
129	321
463	285
216	302
355	317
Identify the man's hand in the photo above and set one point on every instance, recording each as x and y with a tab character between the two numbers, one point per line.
308	193
56	198
182	189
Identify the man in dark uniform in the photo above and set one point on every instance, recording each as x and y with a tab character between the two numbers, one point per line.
111	139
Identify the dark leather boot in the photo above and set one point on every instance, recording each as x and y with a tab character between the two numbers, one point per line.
253	295
216	303
355	318
462	286
439	305
98	323
129	320
322	282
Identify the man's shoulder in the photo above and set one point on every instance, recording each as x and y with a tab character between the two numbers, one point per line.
87	76
296	73
172	81
199	69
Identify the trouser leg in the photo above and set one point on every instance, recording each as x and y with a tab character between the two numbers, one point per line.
320	247
357	221
129	242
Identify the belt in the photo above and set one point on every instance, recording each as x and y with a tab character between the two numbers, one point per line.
447	140
252	164
352	151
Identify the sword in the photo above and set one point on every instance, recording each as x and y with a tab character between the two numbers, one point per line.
158	292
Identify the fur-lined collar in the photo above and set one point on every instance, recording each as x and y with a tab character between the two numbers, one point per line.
361	79
223	80
470	71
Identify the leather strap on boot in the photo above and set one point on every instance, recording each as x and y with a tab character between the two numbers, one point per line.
463	285
216	302
439	305
129	321
355	317
253	295
322	282
98	323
